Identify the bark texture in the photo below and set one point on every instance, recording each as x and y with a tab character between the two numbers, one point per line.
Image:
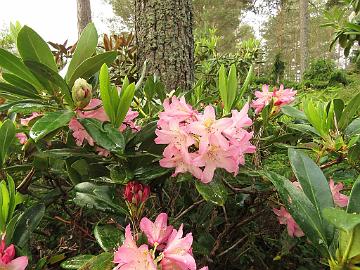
164	37
83	14
304	35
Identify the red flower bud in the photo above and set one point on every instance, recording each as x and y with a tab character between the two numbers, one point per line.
136	192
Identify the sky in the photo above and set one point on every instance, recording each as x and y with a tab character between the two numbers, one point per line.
54	20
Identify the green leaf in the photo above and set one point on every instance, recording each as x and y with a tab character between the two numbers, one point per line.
232	85
126	98
50	122
247	82
14	65
7	135
354	200
313	183
104	261
18	82
301	209
76	262
145	174
349	112
92	65
27	223
214	192
304	128
105	93
293	112
33	48
353	129
104	135
53	78
108	237
84	49
342	220
5	197
223	85
12	197
17	91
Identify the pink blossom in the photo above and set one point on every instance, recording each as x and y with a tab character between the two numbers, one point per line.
94	110
263	99
177	253
285	218
22	137
340	200
205	268
158	232
25	121
7	260
129	121
283	96
130	257
102	152
79	133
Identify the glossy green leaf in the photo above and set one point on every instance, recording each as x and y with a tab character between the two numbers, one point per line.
12	197
304	128
108	237
353	245
92	65
353	128
105	93
7	135
247	82
354	200
104	135
27	223
147	173
214	192
28	108
293	112
232	86
18	82
222	84
14	65
50	122
126	98
5	198
313	183
33	48
341	219
53	79
76	262
349	112
104	261
85	48
17	91
8	105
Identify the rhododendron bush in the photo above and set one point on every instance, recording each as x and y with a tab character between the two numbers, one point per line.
97	175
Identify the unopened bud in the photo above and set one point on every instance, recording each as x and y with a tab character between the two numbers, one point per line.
81	93
136	192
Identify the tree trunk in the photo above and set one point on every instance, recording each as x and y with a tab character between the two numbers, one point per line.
304	35
164	37
83	14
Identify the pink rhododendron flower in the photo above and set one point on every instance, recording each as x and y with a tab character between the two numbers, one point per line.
22	137
129	121
102	152
7	258
79	133
340	200
156	232
205	268
25	121
285	218
130	257
177	253
136	192
199	143
280	97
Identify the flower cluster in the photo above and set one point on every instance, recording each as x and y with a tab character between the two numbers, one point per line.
7	258
136	193
166	248
199	143
21	136
96	111
279	97
293	228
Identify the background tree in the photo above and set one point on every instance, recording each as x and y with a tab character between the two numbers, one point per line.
83	14
304	35
164	36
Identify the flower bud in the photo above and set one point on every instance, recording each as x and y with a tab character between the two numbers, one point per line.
81	93
136	192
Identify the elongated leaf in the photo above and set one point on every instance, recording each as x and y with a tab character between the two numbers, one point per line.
7	135
84	49
214	192
341	219
105	93
17	91
7	106
104	261
104	135
223	85
353	129
293	112
354	201
92	65
14	65
248	80
232	85
124	104
33	48
5	201
349	112
27	223
76	262
18	82
301	209
12	197
53	78
313	183
108	237
50	122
